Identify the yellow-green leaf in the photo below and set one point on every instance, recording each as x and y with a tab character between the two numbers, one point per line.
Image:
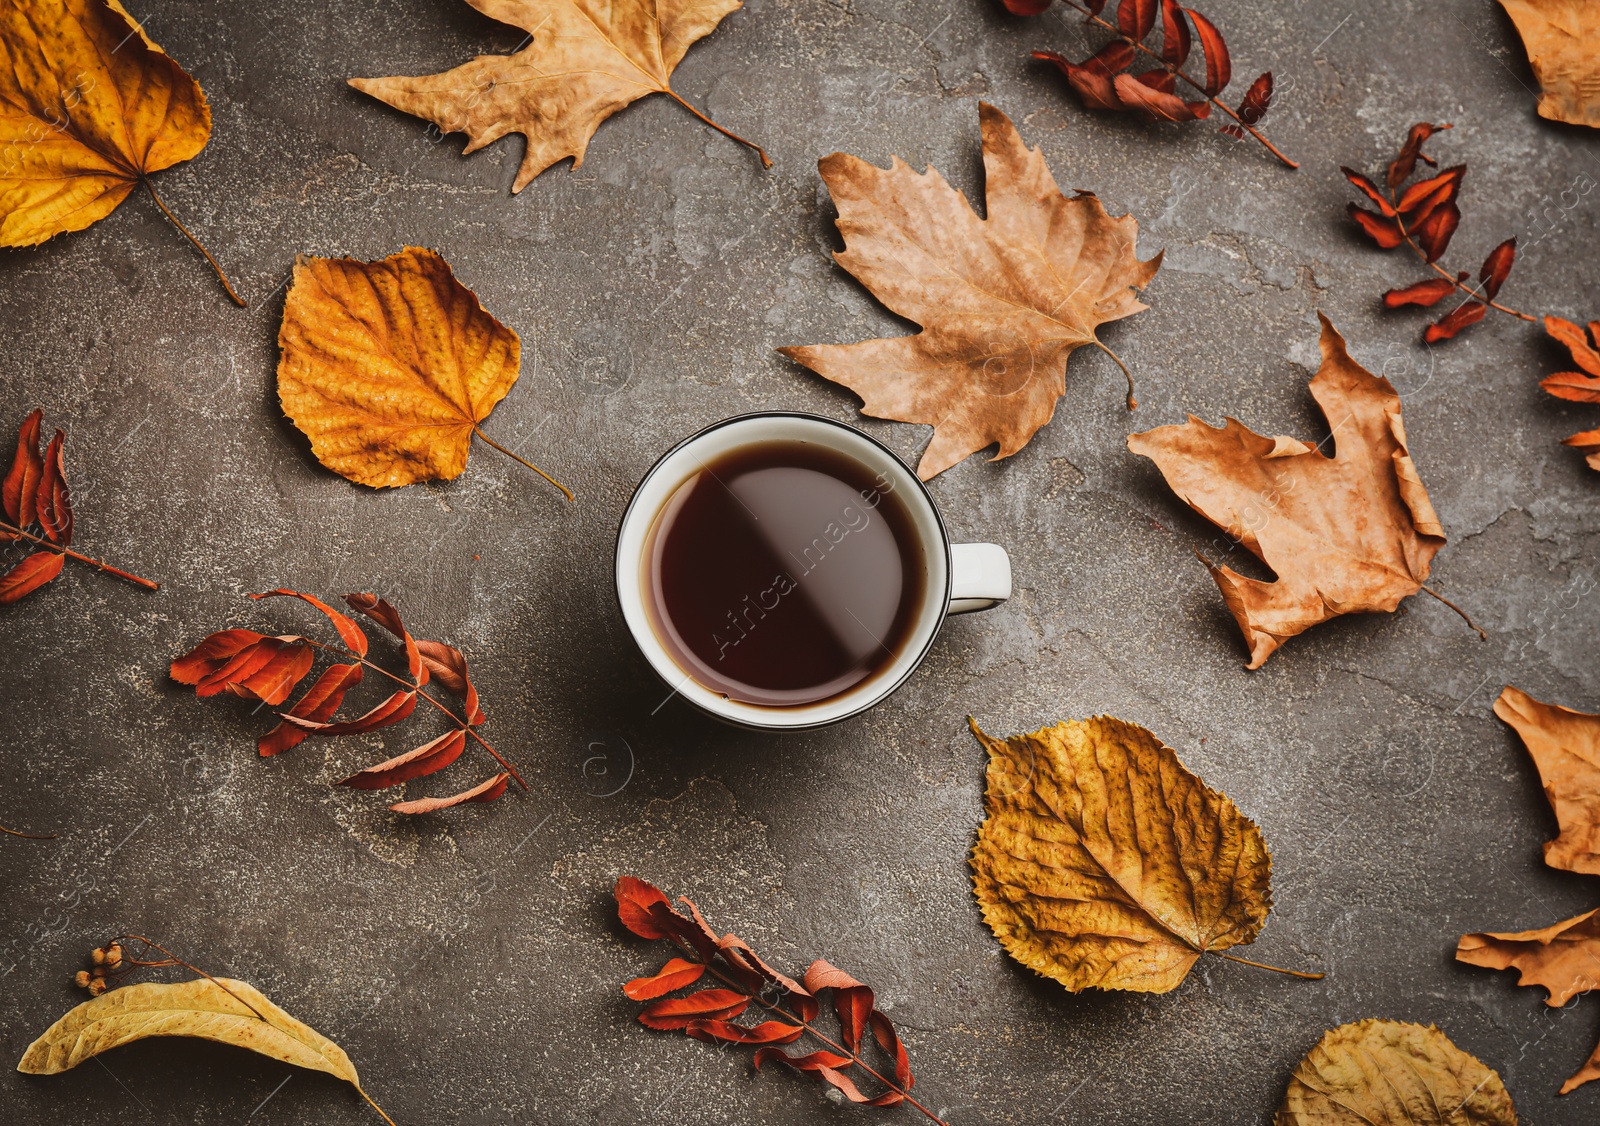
1104	863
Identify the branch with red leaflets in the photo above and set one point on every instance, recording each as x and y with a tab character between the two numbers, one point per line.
1101	83
1424	216
708	1014
254	666
1578	386
35	494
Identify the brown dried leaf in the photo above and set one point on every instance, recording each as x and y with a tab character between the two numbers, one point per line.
1003	301
582	63
1385	1073
1345	534
1103	863
1565	747
1560	38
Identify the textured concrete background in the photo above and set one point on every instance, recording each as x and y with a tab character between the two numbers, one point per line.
470	962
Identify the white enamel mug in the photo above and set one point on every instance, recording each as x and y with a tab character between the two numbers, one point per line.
958	577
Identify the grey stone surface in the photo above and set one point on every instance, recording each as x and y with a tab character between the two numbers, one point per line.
469	962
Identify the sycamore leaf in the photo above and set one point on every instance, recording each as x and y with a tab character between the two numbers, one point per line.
1386	1073
1003	301
1350	533
89	107
1565	747
1560	37
220	1009
1103	863
389	367
584	61
1564	959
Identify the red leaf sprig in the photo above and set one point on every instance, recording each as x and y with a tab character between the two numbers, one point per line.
1102	83
1424	216
1582	386
254	666
35	494
708	1014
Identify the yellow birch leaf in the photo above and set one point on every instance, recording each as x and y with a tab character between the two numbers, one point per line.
1104	863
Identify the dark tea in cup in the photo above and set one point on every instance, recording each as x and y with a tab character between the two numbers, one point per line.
784	573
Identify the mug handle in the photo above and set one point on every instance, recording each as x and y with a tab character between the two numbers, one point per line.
980	577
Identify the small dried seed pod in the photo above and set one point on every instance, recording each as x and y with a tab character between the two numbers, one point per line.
81	979
97	956
113	956
97	986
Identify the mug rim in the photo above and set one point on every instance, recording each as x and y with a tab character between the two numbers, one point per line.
868	702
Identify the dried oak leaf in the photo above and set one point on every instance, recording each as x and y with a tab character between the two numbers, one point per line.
1560	38
584	61
1003	301
389	367
1103	863
1564	959
1387	1073
1565	746
220	1009
1345	534
89	107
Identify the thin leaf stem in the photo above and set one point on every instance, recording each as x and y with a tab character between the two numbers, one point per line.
766	161
99	564
1133	404
1464	617
374	1105
1274	969
524	461
28	836
1400	224
200	246
781	1011
461	723
1178	72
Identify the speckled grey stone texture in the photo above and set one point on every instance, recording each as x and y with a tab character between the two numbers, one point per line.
469	962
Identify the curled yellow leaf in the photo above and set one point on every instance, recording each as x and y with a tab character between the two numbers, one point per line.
1104	863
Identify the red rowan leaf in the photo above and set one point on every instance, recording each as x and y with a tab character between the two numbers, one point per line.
1425	293
1573	386
1569	334
1219	66
1174	33
1026	7
674	975
482	792
889	1040
1497	267
1427	192
635	898
1385	232
1586	442
1370	190
819	1065
767	1032
1456	320
1135	93
1095	6
269	657
29	575
212	654
1158	79
396	708
1435	232
1232	130
1257	100
1092	80
350	633
319	703
379	610
675	1013
448	667
851	1000
21	485
54	501
431	757
1136	18
810	1062
1402	166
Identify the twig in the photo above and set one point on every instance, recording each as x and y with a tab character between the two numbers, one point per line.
200	246
1400	224
1178	71
461	723
99	564
29	836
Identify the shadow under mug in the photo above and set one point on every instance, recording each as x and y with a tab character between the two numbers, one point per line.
958	577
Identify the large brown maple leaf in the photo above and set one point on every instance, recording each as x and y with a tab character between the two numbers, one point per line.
1565	746
1003	301
584	61
1344	534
